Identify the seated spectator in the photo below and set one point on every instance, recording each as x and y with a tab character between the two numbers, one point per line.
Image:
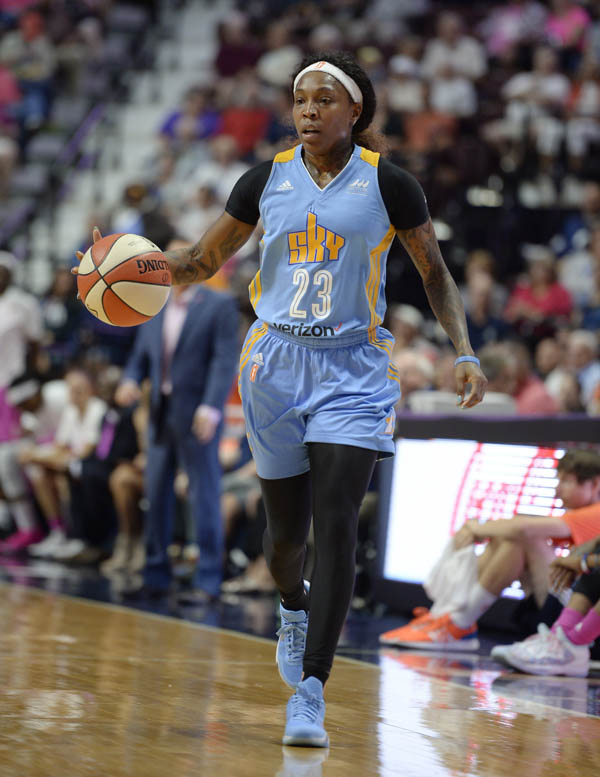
539	303
451	93
244	525
500	368
565	29
62	315
30	55
406	324
220	172
277	63
583	111
445	372
565	648
582	358
140	214
279	129
516	549
482	262
534	103
484	327
513	24
237	48
20	335
48	466
195	120
405	90
531	395
590	312
452	47
199	214
577	271
549	355
246	117
92	477
415	372
40	407
576	230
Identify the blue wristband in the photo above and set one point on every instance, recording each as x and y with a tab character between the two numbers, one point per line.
462	359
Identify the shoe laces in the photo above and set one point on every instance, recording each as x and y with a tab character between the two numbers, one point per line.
548	645
305	707
295	638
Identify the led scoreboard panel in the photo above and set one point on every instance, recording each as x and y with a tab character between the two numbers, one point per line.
438	484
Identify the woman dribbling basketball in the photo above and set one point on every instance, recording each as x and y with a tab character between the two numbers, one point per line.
316	380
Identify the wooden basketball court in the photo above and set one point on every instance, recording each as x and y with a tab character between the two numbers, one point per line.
101	690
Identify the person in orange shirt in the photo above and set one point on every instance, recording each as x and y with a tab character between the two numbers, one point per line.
516	549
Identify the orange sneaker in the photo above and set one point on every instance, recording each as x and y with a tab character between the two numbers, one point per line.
433	634
422	617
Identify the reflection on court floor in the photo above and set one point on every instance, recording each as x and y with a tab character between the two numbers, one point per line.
95	689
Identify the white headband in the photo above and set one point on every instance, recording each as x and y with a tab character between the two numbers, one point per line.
326	67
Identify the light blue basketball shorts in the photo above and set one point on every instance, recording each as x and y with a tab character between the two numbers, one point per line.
297	390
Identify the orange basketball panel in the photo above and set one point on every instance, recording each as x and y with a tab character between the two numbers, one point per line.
99	250
85	283
119	313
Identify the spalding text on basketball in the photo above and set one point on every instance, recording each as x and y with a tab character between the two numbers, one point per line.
146	265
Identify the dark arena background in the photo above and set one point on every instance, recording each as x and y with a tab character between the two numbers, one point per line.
139	117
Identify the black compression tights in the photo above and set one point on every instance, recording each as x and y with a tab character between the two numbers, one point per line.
332	491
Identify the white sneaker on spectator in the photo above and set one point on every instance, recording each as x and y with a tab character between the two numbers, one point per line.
47	546
68	549
550	654
501	653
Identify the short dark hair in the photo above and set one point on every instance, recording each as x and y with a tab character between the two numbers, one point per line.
585	465
346	62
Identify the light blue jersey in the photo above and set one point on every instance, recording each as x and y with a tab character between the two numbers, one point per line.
316	365
324	251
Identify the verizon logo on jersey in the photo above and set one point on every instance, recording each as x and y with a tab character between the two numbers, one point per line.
315	243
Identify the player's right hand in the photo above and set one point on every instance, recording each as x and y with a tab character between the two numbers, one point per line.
96	235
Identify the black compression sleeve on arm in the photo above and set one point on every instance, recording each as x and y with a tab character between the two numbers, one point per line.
402	195
245	195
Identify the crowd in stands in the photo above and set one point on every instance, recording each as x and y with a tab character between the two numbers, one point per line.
493	106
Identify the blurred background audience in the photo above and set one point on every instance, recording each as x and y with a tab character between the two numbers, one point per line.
494	106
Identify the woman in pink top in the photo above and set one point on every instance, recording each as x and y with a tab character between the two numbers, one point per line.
566	25
539	303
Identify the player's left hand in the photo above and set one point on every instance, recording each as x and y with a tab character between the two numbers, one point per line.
469	373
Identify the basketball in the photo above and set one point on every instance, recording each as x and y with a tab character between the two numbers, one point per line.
124	279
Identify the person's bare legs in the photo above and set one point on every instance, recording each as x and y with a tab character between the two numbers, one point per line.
502	562
45	487
126	486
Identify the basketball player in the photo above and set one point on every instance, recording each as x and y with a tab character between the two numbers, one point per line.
316	380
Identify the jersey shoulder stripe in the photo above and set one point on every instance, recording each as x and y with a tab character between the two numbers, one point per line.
285	156
371	157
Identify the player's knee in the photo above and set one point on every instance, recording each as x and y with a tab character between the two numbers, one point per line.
338	529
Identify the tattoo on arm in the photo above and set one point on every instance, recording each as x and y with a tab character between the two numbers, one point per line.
442	293
197	263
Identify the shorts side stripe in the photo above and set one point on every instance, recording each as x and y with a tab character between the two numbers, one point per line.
260	332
